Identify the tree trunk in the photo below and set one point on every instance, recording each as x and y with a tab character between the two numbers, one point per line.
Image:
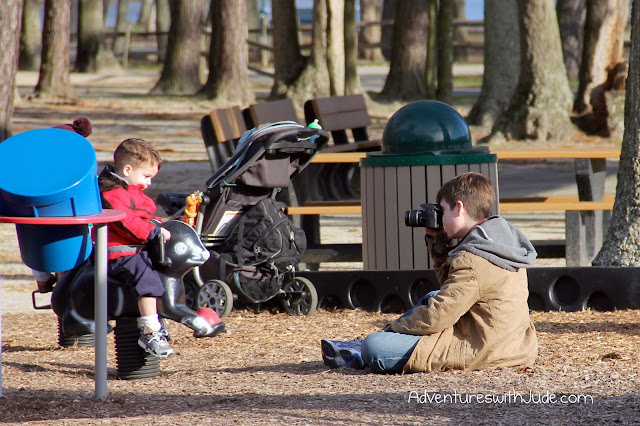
228	81
388	14
407	69
571	16
622	242
10	23
370	11
180	72
445	52
122	23
603	45
93	55
352	81
55	61
30	37
501	62
335	46
253	22
288	63
539	108
313	79
144	17
460	33
163	25
431	62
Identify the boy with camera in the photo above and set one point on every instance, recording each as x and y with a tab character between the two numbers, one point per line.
479	319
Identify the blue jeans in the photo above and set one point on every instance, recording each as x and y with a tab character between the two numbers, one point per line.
388	352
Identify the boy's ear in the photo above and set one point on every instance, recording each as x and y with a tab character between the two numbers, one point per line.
126	170
461	207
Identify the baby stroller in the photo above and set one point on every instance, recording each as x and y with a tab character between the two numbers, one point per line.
254	246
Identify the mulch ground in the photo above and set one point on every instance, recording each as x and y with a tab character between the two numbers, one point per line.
268	369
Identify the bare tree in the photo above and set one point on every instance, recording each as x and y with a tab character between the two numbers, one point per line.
539	108
30	37
54	81
370	11
93	54
571	16
460	32
352	80
388	14
445	51
180	72
122	23
602	62
308	77
501	62
622	242
228	81
144	17
163	24
431	61
407	69
335	46
10	23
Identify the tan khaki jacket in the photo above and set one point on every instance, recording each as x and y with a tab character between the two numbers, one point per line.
479	320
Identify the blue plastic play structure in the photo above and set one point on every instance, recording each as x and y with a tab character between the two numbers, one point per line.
50	173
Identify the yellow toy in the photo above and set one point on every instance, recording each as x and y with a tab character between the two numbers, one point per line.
192	202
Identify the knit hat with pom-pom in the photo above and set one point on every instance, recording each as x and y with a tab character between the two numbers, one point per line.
81	126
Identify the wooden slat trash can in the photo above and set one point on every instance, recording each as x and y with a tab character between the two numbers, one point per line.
424	144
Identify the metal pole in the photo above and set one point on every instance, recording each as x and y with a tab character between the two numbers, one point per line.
100	306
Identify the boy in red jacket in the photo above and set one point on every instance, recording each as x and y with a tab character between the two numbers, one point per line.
136	162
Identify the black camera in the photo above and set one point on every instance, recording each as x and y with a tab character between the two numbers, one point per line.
429	217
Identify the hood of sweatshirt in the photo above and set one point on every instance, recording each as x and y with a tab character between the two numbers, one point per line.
499	242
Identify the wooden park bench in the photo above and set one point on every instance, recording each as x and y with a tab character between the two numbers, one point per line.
221	129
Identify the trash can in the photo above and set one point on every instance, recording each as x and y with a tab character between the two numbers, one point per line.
50	173
424	144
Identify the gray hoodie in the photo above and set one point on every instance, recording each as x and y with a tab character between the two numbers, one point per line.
499	242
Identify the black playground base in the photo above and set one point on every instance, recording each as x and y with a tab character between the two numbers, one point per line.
550	289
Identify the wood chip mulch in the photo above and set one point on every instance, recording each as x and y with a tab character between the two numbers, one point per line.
268	369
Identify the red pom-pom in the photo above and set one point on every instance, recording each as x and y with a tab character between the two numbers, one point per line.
209	315
82	126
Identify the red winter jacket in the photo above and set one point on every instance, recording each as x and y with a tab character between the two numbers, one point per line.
135	229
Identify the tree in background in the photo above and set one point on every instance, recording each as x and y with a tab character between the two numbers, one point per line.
288	62
539	108
10	23
180	71
351	78
501	62
228	81
93	54
386	41
622	242
122	24
370	11
30	37
406	78
446	11
460	32
53	81
335	46
163	24
571	16
601	68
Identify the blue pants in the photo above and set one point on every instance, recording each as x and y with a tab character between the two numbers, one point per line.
137	273
388	352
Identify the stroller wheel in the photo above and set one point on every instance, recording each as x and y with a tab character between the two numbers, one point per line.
299	297
216	295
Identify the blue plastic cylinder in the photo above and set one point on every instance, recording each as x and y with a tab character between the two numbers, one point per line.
48	173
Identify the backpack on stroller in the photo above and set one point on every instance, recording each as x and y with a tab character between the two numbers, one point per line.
254	245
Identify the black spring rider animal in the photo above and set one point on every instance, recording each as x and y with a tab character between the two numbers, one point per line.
72	298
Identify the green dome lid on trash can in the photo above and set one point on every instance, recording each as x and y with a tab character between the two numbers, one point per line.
427	128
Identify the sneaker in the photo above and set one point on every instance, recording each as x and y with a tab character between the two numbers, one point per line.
47	286
164	331
338	353
155	344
